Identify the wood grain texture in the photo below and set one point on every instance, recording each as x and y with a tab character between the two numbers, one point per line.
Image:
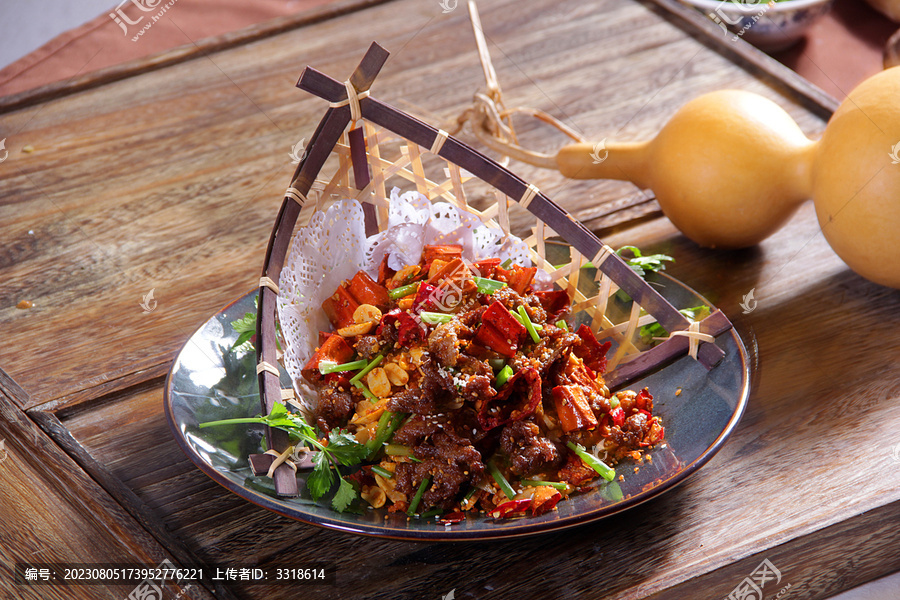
122	494
149	184
741	52
54	512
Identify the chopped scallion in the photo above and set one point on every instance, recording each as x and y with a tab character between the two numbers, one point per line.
397	450
518	317
366	391
504	375
562	324
329	366
433	318
418	497
403	291
488	286
529	325
604	470
367	368
382	471
536	482
387	425
501	481
506	263
612	492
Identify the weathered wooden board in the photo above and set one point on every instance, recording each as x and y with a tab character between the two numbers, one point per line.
53	512
200	162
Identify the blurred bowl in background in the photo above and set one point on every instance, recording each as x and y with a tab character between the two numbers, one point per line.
889	8
892	51
771	26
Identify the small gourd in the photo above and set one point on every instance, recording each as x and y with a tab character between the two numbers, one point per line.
731	166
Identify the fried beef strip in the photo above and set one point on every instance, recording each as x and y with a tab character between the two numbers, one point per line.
449	462
335	405
527	449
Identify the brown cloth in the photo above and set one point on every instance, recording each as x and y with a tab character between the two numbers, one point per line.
102	42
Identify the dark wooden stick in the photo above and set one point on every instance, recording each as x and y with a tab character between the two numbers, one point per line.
361	176
664	353
327	134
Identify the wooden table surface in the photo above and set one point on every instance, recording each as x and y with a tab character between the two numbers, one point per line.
168	177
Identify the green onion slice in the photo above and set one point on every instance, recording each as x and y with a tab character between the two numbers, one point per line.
526	320
388	423
403	291
366	391
537	482
605	471
368	368
382	471
433	318
501	481
504	375
418	497
397	450
488	286
329	366
562	324
518	317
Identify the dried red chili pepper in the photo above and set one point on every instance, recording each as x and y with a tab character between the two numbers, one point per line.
573	408
555	303
644	400
452	518
544	499
497	411
335	349
366	290
618	416
508	509
592	352
340	307
408	329
499	330
516	277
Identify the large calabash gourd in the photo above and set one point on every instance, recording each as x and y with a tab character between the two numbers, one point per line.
731	167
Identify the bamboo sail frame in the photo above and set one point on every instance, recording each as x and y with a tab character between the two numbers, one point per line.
362	150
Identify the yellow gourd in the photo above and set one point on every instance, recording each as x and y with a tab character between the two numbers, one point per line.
728	169
731	167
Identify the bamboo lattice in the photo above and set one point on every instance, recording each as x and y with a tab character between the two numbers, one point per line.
368	147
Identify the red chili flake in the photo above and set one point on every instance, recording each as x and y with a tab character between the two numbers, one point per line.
453	518
508	509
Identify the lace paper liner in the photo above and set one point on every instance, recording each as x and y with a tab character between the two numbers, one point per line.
333	247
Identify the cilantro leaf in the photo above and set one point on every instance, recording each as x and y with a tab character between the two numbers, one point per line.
344	447
640	264
245	324
322	478
245	327
344	496
655	330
